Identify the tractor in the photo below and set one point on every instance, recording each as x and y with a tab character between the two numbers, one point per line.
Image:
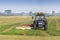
40	21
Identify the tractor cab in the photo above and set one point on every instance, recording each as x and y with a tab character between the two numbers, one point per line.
39	17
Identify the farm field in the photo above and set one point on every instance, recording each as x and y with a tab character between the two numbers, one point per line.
8	26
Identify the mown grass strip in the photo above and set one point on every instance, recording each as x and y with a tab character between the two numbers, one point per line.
23	32
4	27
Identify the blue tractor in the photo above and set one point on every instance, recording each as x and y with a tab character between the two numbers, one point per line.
40	21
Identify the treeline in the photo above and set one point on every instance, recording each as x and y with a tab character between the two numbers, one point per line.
27	14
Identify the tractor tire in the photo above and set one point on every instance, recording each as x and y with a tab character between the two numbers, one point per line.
34	26
45	27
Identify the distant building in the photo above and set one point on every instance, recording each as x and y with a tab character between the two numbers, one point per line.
53	13
8	12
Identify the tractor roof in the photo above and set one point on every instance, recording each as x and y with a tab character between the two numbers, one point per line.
40	14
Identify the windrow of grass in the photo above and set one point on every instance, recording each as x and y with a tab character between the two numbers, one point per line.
22	32
52	29
58	20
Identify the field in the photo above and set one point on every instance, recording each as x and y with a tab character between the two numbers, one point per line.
8	26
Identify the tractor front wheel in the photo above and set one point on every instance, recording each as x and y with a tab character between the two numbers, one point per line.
45	27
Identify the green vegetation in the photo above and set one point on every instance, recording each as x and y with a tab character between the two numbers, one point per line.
4	27
22	32
10	24
52	28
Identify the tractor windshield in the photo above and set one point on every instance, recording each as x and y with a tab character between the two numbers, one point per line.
39	17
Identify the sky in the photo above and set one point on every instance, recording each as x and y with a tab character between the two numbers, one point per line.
30	5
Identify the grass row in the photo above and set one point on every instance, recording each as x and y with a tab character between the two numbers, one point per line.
52	29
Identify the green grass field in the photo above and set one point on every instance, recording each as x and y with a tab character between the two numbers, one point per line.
8	29
8	26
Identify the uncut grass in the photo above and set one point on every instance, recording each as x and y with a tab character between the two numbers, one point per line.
6	20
